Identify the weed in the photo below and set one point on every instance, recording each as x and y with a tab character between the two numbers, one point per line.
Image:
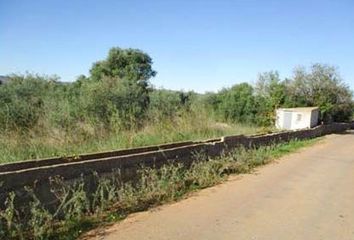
80	208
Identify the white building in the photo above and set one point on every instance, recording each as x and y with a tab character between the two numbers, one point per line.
296	118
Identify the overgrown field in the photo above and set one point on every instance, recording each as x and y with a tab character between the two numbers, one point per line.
112	199
15	146
116	106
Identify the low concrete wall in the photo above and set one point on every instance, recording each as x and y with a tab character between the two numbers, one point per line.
36	174
16	166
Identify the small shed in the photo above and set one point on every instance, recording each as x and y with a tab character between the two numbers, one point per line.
296	118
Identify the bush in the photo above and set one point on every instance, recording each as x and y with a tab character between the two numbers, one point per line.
22	101
115	101
236	104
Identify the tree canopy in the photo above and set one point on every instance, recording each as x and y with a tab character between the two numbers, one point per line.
321	86
129	63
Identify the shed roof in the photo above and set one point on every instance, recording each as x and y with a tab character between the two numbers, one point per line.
299	109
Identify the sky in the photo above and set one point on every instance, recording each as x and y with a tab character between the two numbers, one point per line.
195	45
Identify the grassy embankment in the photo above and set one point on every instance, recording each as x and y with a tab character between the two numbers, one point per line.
113	200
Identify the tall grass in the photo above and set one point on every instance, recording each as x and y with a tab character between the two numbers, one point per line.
112	200
47	142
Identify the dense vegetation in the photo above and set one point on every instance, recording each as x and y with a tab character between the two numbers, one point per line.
116	106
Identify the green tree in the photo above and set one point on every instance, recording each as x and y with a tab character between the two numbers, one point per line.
322	86
115	100
119	86
271	93
236	103
272	88
121	63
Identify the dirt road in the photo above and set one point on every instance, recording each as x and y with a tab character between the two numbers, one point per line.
305	195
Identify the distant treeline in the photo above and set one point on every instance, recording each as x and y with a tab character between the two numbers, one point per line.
117	94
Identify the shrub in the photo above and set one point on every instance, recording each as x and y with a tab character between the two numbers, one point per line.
22	101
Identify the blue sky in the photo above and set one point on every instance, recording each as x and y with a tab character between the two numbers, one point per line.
196	45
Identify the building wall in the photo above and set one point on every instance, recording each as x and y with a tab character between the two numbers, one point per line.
279	119
299	119
315	117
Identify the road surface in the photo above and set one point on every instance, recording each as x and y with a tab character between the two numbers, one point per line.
305	195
